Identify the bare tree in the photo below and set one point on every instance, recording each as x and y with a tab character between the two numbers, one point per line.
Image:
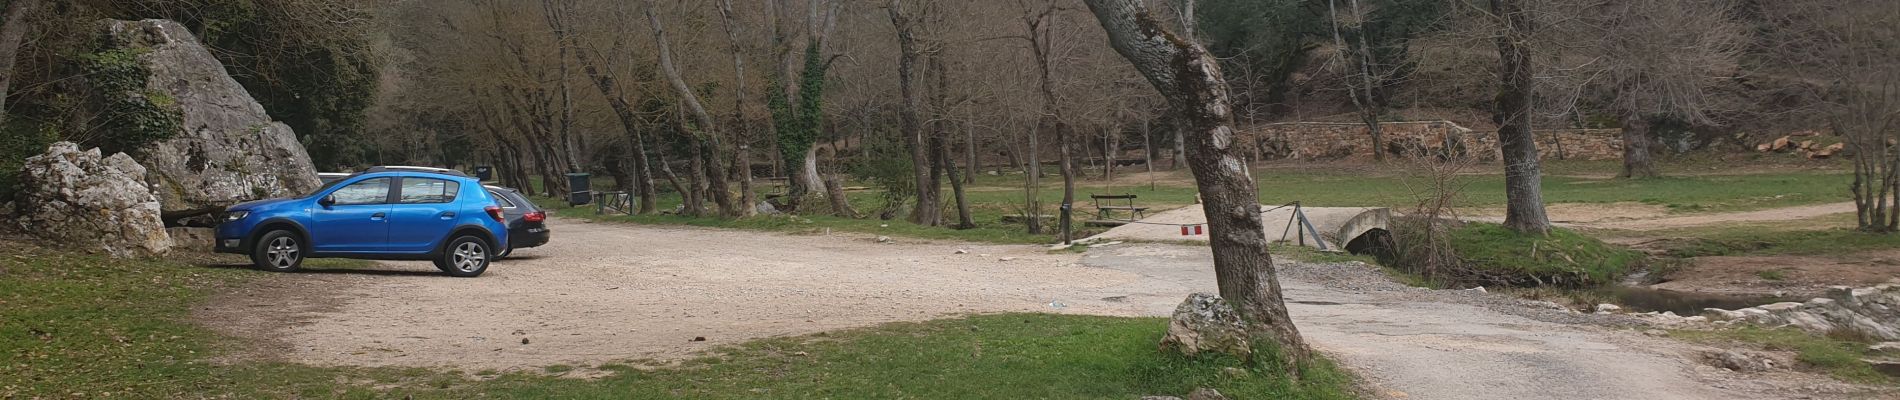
555	11
1659	60
1191	80
929	210
1844	51
1523	176
1037	22
742	159
630	121
702	130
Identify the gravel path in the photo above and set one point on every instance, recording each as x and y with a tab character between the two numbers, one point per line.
603	292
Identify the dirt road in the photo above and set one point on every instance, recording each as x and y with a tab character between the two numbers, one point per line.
1768	215
603	292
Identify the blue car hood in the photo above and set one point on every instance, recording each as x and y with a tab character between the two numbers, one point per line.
250	205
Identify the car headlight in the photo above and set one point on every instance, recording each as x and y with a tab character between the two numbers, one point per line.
235	215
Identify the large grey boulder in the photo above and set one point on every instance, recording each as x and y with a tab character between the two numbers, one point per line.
80	200
227	150
1871	311
1206	323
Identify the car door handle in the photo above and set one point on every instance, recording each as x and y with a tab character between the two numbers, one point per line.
447	215
378	216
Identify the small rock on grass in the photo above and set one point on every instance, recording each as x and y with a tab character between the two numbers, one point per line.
1739	361
1607	308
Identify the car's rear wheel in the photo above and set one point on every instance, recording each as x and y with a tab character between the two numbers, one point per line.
278	251
466	256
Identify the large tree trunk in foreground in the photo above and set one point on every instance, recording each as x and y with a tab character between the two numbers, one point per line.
1191	80
10	36
1523	176
1636	158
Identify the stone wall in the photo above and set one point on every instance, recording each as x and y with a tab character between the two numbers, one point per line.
1333	140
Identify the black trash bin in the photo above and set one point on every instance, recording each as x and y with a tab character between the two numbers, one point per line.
578	190
484	173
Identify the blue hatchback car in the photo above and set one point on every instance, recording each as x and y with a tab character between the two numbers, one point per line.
384	213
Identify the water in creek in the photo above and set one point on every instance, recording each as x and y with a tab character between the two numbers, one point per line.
1641	299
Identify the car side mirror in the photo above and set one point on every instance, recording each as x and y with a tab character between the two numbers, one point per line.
327	201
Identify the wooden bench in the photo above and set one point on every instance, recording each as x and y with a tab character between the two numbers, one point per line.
1103	212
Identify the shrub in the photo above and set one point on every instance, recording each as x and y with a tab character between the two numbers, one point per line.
1494	254
1460	253
18	141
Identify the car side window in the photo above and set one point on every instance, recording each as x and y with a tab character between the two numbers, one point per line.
501	200
428	190
368	191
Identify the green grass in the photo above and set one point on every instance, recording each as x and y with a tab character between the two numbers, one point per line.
1563	258
1309	254
980	357
87	326
1772	274
1835	355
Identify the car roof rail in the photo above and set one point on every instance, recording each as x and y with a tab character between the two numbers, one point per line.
390	168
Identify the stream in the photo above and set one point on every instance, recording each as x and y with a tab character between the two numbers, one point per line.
1642	299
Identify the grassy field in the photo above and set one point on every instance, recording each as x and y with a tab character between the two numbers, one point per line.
1695	187
79	326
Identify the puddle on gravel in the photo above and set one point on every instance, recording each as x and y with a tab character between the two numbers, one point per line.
1640	299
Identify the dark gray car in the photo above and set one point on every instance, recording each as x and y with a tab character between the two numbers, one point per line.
527	224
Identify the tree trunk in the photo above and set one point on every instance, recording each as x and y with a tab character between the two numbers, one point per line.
969	149
1032	183
1190	79
1148	152
928	212
742	162
688	197
702	131
1523	176
1636	157
1040	46
964	219
1180	148
629	121
10	36
940	140
556	13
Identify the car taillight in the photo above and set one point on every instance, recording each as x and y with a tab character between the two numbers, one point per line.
495	212
536	216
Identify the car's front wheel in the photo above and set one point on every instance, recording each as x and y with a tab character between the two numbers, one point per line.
278	251
466	257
